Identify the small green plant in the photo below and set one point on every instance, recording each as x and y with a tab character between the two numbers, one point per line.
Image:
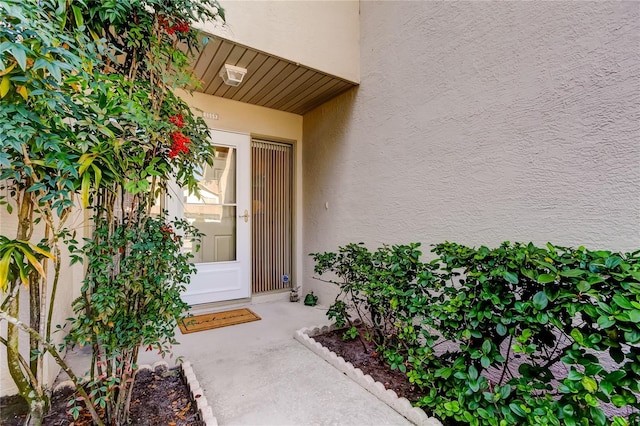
350	334
506	336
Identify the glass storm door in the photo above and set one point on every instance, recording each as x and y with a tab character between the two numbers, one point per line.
221	213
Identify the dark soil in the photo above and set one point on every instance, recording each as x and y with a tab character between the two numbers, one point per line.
13	410
159	398
369	362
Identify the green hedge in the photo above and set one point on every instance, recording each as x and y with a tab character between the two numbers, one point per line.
512	335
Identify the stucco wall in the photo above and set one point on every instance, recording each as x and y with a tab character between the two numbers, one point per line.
322	34
68	289
480	122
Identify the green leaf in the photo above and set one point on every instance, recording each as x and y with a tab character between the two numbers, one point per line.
634	315
615	376
619	421
606	387
444	372
622	301
473	373
618	400
485	362
571	273
501	329
19	54
598	417
605	322
592	369
483	413
577	336
546	278
77	14
612	262
583	286
567	410
474	385
574	375
589	384
511	277
540	300
517	409
452	406
632	336
505	391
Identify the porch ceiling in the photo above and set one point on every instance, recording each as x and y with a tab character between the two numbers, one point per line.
270	81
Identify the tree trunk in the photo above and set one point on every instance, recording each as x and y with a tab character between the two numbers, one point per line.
28	387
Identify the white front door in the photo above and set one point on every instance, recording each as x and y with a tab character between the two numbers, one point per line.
221	212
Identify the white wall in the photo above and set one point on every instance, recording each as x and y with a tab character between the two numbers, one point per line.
321	34
479	122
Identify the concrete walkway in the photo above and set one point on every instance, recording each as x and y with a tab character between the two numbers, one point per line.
257	374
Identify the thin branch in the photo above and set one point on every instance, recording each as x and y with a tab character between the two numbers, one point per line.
506	362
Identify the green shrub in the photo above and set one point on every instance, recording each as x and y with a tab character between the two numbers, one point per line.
512	335
130	298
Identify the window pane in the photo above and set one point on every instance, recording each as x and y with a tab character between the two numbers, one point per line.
218	182
210	212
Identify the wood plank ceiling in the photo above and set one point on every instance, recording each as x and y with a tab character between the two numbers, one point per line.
270	81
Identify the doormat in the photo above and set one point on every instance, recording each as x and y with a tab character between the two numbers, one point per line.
217	320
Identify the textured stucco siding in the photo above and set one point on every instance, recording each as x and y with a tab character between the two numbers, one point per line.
68	289
480	122
321	34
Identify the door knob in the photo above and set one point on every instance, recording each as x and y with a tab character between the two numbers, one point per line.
245	215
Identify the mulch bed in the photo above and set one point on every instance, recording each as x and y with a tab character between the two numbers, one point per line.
369	362
159	397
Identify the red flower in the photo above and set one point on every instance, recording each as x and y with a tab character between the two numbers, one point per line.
180	144
181	27
177	119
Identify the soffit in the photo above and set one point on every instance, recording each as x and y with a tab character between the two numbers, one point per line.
271	82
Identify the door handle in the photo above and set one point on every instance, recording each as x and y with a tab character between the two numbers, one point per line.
245	216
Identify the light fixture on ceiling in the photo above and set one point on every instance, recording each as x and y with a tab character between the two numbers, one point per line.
232	75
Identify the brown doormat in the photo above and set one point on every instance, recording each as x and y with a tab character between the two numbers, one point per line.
217	320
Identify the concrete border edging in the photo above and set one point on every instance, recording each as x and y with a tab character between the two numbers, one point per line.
388	396
197	394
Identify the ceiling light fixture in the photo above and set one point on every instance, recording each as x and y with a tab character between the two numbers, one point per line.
232	75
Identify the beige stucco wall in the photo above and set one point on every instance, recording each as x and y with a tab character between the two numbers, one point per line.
68	289
479	122
321	34
268	124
